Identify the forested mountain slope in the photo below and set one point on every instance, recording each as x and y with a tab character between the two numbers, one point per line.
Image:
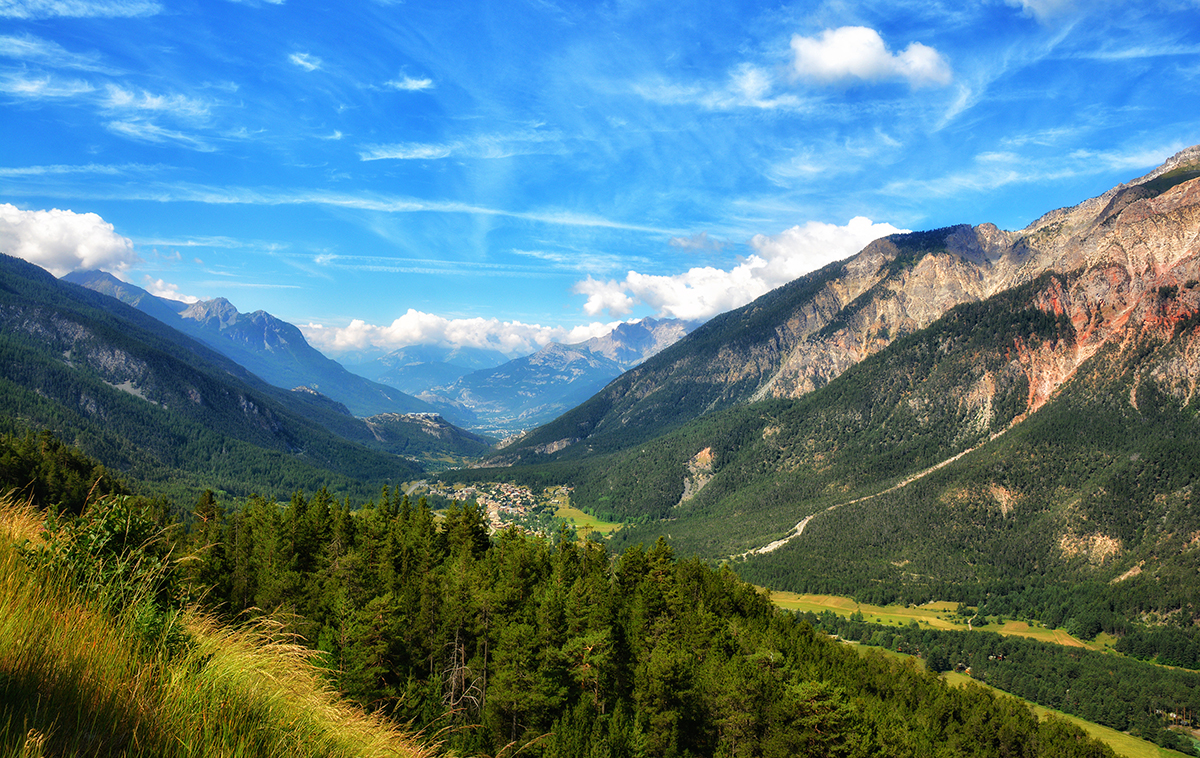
271	349
803	335
157	405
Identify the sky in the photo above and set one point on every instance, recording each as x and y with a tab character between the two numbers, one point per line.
385	173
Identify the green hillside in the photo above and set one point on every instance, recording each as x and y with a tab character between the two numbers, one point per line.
1080	514
517	643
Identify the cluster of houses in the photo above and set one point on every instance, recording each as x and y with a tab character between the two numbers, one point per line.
505	504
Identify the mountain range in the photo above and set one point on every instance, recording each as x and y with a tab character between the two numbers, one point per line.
534	389
160	406
268	347
474	387
951	413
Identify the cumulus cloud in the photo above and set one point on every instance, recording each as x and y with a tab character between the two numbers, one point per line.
35	9
305	61
851	53
703	292
161	288
417	328
64	241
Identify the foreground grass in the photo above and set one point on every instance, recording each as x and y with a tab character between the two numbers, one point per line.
76	680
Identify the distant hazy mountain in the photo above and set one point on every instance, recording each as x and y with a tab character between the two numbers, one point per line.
531	390
272	349
417	368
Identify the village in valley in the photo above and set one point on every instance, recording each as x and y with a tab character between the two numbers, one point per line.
508	504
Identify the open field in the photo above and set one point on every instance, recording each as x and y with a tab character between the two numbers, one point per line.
939	615
585	523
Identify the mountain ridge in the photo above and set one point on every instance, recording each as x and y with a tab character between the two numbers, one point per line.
267	346
804	334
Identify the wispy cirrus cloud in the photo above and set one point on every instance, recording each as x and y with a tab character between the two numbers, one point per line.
747	87
485	146
181	106
997	169
409	84
89	168
27	47
40	9
305	61
391	265
698	242
147	131
43	87
193	193
857	53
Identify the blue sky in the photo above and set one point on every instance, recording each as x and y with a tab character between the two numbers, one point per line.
387	173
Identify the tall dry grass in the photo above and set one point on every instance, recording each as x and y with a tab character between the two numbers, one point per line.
77	680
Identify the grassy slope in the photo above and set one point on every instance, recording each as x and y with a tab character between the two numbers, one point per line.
76	681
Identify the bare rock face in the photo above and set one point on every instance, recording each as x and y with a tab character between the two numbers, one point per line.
1126	242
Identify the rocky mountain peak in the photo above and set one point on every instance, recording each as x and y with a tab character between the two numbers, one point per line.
218	309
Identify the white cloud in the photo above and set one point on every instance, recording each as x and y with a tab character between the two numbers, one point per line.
409	84
146	131
119	98
418	328
16	83
160	288
857	53
528	142
703	292
35	9
30	48
994	170
64	241
305	61
89	168
409	151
